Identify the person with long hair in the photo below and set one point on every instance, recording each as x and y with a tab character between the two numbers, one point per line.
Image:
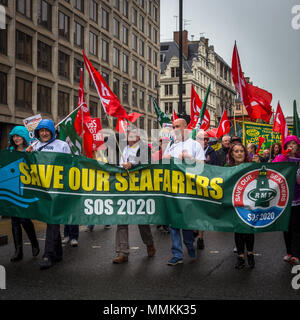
237	155
275	151
19	141
292	236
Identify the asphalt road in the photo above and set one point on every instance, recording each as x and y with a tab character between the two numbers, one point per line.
87	272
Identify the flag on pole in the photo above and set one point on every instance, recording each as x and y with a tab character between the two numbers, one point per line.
196	105
256	100
224	125
122	125
174	115
280	125
68	133
109	100
161	116
296	124
203	121
95	129
82	118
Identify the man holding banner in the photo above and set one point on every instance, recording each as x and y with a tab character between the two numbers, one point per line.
183	148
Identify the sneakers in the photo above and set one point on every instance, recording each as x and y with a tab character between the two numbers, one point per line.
107	226
240	264
251	261
74	243
200	244
174	261
151	250
120	259
65	240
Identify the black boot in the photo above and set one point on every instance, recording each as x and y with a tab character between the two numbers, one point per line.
240	263
251	261
29	228
17	235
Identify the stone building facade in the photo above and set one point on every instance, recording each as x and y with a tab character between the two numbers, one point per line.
41	56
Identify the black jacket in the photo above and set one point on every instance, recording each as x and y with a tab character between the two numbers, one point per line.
222	156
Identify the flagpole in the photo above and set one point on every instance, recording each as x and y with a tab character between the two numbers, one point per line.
234	121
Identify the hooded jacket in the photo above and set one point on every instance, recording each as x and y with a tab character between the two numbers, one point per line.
19	131
52	145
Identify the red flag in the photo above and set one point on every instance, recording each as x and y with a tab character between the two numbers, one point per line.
224	125
260	101
280	125
196	105
132	117
256	101
122	125
174	115
83	116
95	128
109	100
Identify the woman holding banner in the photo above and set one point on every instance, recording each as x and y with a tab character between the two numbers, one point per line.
19	141
292	236
238	154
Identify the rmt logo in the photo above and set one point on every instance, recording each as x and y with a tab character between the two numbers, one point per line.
296	17
2	278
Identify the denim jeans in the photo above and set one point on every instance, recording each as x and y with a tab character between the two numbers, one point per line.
188	239
71	231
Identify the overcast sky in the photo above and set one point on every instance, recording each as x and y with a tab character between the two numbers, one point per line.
269	47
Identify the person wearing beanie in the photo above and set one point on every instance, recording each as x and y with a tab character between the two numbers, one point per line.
292	236
19	141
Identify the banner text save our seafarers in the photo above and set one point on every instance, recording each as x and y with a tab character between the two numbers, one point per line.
93	180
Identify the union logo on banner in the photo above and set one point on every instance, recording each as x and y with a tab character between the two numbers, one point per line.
260	197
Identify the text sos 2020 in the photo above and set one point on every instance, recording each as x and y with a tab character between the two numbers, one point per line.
121	206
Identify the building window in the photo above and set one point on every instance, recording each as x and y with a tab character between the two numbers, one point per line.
63	25
149	103
141	47
134	16
125	61
24	7
104	50
174	72
78	35
44	99
134	42
94	10
125	35
116	86
155	58
149	54
168	90
142	123
23	93
149	79
134	96
63	103
125	89
23	47
3	88
142	72
149	30
3	2
93	108
78	65
3	41
93	43
117	4
44	56
105	19
116	58
125	8
63	65
155	35
134	69
142	100
142	22
79	5
168	107
45	14
116	28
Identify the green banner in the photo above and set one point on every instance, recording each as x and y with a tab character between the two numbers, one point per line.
63	189
252	131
